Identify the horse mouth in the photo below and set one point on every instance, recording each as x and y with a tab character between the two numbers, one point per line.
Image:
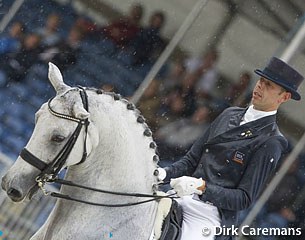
16	199
32	192
20	197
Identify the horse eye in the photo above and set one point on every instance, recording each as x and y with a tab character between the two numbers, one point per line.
57	138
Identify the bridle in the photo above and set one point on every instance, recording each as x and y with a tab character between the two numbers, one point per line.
49	172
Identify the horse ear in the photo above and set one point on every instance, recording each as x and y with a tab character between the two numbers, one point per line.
56	79
80	112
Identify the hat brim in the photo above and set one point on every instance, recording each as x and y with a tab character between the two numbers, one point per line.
294	94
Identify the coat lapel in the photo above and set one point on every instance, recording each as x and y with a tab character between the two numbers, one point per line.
235	119
245	131
228	121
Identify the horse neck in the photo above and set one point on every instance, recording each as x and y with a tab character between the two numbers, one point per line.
122	162
123	157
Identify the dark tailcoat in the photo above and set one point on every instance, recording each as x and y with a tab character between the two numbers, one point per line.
235	161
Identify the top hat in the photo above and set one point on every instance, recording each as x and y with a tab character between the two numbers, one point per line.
282	74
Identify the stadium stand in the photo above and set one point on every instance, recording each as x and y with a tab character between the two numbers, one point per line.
98	64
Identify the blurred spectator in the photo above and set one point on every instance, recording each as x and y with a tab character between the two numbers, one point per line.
88	27
174	77
203	74
123	30
175	138
49	33
12	42
148	44
19	63
65	53
172	107
200	80
237	94
149	104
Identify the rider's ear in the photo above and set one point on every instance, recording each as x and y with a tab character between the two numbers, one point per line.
56	79
80	112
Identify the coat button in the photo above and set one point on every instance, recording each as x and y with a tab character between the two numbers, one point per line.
219	174
207	150
200	165
227	161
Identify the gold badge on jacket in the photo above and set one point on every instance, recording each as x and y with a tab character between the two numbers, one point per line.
248	133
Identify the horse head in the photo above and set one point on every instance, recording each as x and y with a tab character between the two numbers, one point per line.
50	134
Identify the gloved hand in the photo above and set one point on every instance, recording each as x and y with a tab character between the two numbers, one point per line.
160	173
187	185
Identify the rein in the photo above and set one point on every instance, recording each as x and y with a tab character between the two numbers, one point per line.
50	171
153	197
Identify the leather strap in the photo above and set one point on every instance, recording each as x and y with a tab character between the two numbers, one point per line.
31	159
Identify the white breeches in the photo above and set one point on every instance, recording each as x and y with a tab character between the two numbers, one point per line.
198	218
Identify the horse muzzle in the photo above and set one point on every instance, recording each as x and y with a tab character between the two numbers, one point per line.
13	190
13	193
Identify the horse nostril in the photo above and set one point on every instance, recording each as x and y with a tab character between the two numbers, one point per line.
12	192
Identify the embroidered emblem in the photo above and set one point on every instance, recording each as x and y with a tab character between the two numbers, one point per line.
238	157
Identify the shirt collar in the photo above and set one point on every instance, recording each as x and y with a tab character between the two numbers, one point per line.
253	114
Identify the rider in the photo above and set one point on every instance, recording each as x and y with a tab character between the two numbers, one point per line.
227	167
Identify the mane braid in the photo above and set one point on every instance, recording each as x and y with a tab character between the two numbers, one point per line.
139	117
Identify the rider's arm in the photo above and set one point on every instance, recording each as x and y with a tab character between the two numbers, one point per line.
187	164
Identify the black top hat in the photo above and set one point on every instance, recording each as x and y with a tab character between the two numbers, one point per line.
282	74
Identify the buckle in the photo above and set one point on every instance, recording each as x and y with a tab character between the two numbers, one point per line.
42	180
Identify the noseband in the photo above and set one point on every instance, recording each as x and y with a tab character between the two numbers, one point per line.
51	170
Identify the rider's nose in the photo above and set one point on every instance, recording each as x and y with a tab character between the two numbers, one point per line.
14	193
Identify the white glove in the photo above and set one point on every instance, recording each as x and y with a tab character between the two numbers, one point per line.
186	185
160	173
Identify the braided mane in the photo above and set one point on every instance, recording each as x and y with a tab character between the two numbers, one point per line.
139	117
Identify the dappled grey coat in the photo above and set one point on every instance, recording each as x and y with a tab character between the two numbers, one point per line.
235	161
